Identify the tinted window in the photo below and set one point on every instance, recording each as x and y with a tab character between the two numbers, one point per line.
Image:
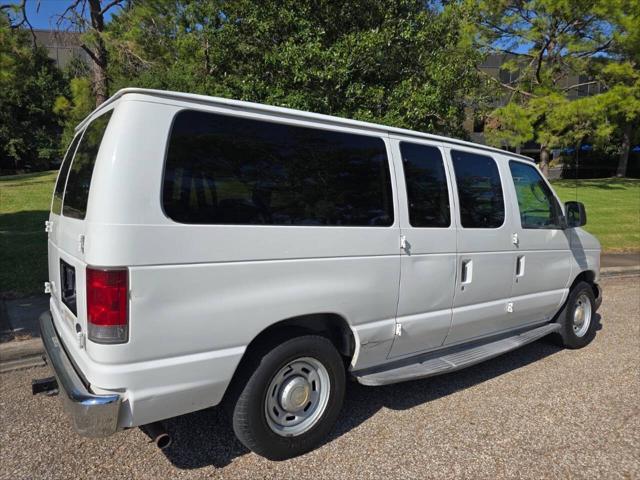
56	206
228	170
479	190
77	192
426	182
538	207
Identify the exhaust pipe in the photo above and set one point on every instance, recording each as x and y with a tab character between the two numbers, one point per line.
158	435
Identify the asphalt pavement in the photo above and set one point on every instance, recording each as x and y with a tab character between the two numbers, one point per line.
538	412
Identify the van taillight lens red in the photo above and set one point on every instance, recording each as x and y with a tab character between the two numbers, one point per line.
107	305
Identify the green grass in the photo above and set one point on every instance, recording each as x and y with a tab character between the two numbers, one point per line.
613	213
613	209
24	207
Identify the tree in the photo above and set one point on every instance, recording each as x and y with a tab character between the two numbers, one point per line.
74	107
29	85
405	63
547	41
88	16
621	101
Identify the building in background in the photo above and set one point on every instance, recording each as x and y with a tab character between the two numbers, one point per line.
493	66
62	47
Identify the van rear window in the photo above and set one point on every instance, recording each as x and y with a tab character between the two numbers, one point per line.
58	193
77	192
228	170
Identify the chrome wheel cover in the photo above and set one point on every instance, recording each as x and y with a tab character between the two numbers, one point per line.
297	397
582	313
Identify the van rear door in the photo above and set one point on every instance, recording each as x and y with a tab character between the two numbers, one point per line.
67	225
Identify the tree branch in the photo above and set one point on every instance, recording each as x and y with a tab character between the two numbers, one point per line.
21	7
507	86
578	85
91	54
113	3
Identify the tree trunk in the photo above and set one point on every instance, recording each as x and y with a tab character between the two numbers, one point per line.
624	153
99	70
99	74
544	160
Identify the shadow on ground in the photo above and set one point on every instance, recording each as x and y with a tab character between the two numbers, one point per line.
206	438
23	241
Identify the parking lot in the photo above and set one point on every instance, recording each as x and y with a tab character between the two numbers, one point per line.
539	412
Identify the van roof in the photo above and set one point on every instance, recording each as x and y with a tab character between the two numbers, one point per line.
291	113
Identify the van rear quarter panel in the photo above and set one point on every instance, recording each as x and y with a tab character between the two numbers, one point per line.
203	288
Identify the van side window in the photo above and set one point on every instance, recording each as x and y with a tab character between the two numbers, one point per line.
538	206
223	169
426	182
479	190
76	194
58	193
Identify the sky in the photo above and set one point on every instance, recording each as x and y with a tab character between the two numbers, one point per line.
42	13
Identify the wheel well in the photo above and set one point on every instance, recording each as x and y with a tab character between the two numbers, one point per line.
588	276
330	325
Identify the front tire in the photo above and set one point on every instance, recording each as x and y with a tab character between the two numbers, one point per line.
292	399
577	320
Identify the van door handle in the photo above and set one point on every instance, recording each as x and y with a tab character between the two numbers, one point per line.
466	275
520	266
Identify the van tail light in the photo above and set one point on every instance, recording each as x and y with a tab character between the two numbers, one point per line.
107	305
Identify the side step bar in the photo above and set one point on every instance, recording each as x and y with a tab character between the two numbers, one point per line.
457	359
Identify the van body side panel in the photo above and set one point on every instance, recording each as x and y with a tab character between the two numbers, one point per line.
585	254
206	307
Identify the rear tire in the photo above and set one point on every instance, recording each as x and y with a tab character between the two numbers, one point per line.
292	399
577	320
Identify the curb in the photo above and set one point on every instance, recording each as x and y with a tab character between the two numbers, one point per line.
22	363
18	354
618	271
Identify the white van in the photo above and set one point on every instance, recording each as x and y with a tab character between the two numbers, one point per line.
206	251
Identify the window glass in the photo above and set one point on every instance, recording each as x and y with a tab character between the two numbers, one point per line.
77	192
538	206
229	170
479	190
56	205
426	182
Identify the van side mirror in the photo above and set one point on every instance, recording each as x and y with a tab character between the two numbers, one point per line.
576	215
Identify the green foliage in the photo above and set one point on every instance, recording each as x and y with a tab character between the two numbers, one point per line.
405	63
75	107
29	85
554	40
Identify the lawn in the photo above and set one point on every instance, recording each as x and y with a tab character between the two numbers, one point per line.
613	209
613	213
24	207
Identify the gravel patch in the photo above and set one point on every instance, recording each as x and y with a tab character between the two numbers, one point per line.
538	412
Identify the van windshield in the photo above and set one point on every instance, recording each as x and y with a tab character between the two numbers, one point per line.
77	192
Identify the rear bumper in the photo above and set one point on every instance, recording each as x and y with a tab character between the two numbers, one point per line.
92	415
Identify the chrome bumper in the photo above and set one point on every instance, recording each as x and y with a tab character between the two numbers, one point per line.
92	415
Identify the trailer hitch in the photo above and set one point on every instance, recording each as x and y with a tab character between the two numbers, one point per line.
48	386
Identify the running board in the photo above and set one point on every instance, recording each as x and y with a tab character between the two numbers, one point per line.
456	360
